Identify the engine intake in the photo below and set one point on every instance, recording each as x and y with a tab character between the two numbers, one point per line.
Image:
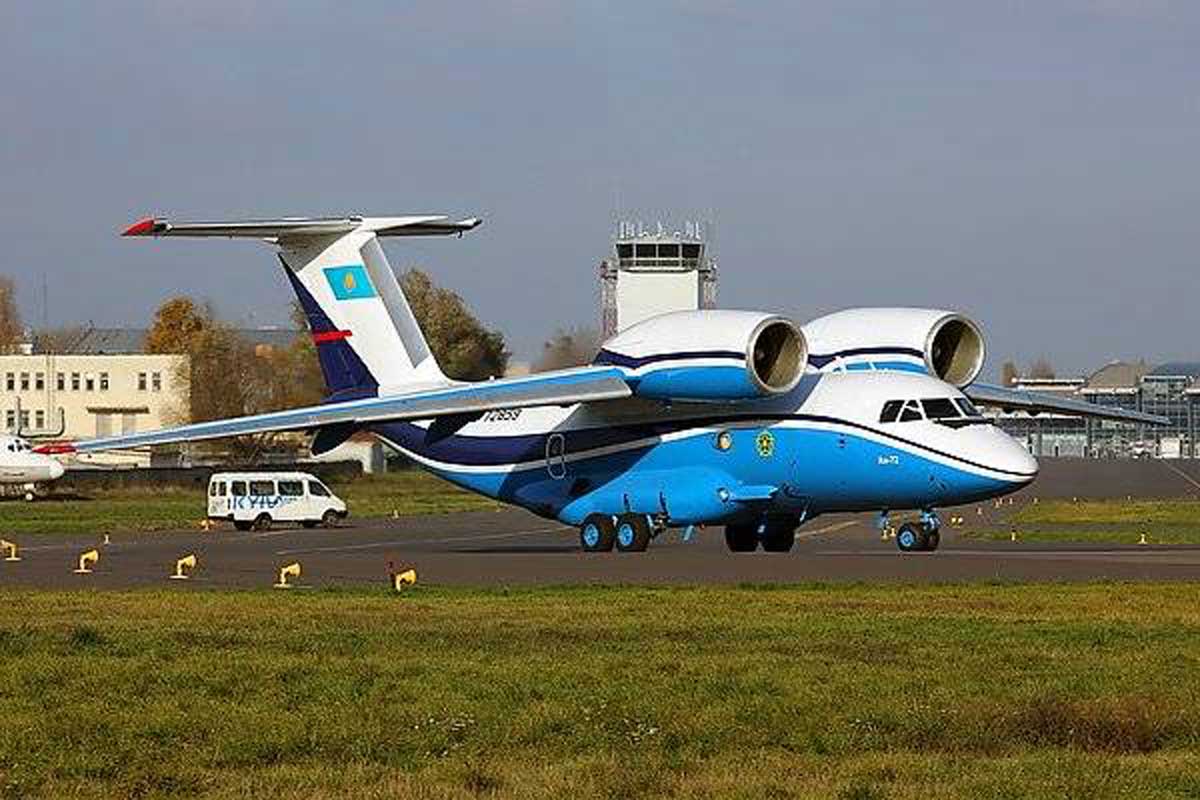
955	350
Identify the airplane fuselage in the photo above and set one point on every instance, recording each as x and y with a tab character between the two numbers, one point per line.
820	448
20	464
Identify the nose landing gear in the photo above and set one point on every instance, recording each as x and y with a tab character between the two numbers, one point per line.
920	537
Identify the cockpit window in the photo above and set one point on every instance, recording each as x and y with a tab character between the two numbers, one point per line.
891	410
940	408
967	407
911	412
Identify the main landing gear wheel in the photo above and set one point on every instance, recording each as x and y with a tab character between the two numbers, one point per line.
597	533
778	538
633	533
912	538
741	538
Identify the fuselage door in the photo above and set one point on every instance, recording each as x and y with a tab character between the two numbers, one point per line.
556	456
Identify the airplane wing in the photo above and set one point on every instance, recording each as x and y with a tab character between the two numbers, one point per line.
560	388
1037	402
421	225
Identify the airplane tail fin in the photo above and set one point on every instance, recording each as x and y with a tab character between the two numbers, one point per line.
364	330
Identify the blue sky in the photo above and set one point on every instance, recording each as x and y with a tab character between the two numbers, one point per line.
1032	163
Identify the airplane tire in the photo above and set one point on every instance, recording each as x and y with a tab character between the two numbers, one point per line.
911	538
597	533
741	538
633	533
932	539
778	539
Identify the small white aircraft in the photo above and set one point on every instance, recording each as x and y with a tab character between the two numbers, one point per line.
735	418
23	464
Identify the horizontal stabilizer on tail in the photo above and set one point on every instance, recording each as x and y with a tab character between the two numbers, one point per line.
1041	403
288	227
564	387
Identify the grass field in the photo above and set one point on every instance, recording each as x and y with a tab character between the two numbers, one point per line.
1112	521
166	508
984	691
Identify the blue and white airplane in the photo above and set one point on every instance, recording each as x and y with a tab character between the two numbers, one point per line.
741	419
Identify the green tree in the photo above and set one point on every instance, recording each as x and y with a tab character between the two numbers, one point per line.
463	347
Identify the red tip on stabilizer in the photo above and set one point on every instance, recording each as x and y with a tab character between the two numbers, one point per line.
143	227
56	448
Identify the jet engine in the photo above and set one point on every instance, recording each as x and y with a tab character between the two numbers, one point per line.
709	355
942	343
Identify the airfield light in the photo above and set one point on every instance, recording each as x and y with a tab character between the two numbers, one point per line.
87	561
183	566
290	571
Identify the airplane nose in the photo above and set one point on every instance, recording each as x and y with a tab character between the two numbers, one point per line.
1017	461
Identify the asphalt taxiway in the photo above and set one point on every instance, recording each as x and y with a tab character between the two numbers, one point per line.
512	547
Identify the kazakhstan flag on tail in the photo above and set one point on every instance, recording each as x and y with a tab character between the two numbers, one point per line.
349	282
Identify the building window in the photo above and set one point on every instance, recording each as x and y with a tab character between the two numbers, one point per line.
89	382
24	419
74	381
104	381
103	424
128	423
141	381
10	418
39	420
10	381
39	381
61	383
156	381
24	381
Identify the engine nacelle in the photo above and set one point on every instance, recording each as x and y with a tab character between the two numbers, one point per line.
709	355
942	343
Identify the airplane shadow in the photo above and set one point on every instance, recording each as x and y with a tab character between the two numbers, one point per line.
516	548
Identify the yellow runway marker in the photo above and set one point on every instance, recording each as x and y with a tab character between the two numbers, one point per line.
87	561
183	566
290	571
406	578
11	547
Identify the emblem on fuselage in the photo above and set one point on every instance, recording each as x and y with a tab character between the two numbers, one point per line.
765	444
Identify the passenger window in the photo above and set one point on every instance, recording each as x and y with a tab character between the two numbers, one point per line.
237	488
911	412
967	407
291	489
221	489
262	488
317	489
891	410
212	490
940	408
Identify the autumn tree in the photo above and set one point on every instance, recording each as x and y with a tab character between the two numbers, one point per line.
177	324
1041	368
463	347
1009	374
568	348
11	329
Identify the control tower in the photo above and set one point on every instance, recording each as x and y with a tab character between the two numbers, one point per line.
652	271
